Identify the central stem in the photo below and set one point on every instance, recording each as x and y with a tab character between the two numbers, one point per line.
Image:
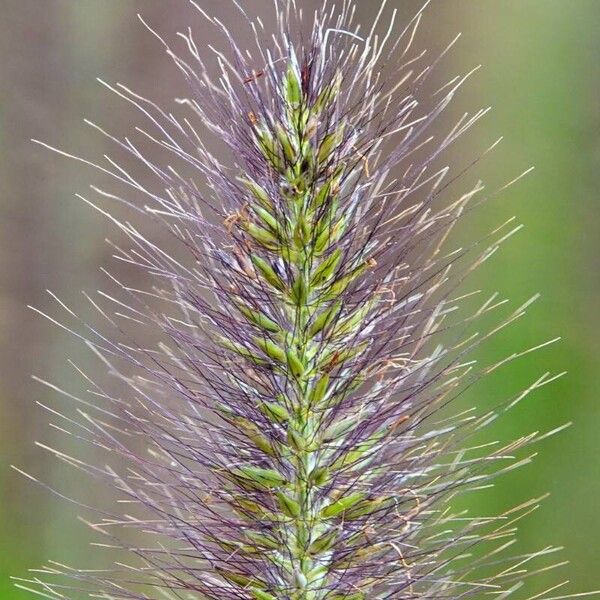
302	433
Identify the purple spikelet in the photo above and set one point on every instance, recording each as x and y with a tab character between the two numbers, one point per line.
286	434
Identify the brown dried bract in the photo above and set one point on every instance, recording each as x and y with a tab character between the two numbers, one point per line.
255	75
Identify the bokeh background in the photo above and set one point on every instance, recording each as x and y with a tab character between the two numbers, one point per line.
541	74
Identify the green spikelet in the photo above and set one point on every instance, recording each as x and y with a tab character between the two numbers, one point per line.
342	505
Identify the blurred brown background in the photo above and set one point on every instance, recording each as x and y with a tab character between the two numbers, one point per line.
541	74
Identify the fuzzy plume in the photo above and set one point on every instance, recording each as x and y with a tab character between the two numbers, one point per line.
287	434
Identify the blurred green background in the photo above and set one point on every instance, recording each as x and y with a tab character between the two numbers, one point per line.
541	74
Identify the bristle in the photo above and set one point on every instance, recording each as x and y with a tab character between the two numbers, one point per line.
285	434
